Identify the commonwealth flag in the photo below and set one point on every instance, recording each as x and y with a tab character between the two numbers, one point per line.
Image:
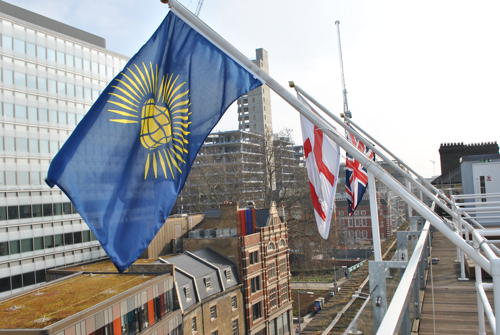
128	159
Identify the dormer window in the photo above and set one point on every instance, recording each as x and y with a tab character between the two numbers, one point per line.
227	274
208	282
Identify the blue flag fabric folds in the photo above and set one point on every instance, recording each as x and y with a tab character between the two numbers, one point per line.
128	159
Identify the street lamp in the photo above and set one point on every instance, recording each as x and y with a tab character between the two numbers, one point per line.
298	301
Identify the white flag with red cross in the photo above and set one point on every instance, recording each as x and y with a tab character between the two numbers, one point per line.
322	157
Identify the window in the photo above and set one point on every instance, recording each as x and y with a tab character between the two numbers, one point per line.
271	270
255	284
271	246
58	240
254	257
215	332
18	46
282	265
38	243
25	211
208	282
37	210
187	292
31	82
49	241
235	327
234	302
4	249
7	42
27	244
13	212
8	77
41	52
60	57
47	210
227	274
213	312
283	294
14	247
77	236
273	297
282	243
32	114
19	79
257	311
68	238
194	326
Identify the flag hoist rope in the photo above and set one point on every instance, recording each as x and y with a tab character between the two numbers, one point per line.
371	166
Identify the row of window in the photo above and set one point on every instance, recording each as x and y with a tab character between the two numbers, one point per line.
10	144
61	258
13	178
139	319
38	115
22	280
51	86
45	242
36	210
55	57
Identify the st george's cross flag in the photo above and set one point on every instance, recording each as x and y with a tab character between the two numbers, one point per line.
322	157
356	175
128	159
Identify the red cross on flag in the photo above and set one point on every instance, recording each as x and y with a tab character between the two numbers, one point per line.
322	157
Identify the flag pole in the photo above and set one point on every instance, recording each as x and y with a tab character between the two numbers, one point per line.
372	188
384	157
370	165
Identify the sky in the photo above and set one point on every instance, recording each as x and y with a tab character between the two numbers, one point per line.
418	73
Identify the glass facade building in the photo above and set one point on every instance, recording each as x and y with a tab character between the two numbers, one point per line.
50	74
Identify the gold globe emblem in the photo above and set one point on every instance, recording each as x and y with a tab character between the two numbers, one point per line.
156	128
159	104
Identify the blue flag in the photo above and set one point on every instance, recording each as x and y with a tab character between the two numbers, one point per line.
127	160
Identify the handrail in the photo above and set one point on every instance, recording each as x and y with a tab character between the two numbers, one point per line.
475	195
394	313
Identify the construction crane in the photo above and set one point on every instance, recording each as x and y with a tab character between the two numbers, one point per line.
198	7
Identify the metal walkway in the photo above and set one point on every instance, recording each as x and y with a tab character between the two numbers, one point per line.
455	301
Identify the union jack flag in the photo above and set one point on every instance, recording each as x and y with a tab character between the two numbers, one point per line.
356	176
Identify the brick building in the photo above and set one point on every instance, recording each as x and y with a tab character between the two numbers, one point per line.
357	229
262	258
209	293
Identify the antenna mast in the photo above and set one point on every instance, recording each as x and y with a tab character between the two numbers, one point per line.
347	113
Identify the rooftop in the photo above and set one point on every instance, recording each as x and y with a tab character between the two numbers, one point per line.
59	300
104	266
51	24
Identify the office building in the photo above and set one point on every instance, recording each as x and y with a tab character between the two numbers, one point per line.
50	75
98	302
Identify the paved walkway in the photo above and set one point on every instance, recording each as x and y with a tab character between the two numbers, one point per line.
454	301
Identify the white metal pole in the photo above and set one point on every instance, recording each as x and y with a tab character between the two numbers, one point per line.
372	192
408	185
370	165
480	308
495	274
